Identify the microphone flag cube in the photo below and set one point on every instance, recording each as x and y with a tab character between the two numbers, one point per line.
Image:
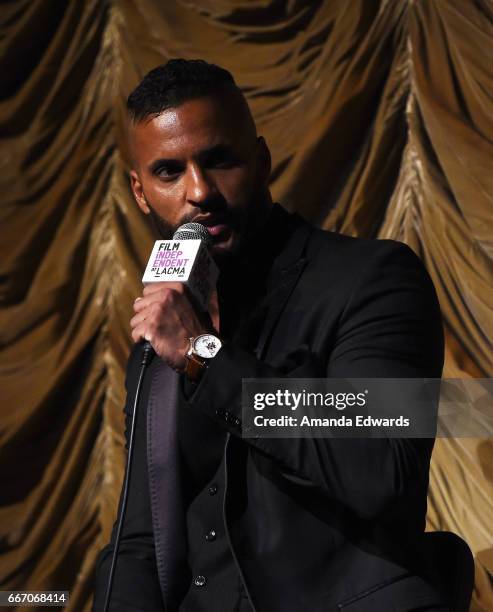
184	261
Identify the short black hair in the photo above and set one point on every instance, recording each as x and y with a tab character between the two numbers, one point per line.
173	83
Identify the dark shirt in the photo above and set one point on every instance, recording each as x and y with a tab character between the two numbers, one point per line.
215	582
241	293
201	446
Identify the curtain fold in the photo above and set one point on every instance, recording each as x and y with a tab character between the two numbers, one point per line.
378	115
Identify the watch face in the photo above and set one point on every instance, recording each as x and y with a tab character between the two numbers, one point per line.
206	346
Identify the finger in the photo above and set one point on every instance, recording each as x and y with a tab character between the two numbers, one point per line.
158	312
145	330
154	287
161	295
153	307
141	333
143	303
137	319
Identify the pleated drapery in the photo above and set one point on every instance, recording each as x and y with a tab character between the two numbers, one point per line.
379	117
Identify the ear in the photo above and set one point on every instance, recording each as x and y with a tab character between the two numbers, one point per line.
138	192
264	162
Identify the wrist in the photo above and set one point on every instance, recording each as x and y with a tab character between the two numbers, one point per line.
202	349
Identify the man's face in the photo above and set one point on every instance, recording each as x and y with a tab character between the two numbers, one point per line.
202	161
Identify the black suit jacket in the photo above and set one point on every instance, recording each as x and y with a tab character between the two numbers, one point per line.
314	524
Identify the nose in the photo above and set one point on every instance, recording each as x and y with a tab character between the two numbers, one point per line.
199	187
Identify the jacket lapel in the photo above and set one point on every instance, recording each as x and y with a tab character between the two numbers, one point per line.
168	515
165	482
284	275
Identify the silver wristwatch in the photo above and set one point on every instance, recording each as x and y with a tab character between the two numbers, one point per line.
202	348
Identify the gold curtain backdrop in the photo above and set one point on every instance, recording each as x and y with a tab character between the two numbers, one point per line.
380	120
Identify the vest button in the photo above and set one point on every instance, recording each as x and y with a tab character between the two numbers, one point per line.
213	489
211	536
200	581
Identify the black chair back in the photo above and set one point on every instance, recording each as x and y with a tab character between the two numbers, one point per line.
454	568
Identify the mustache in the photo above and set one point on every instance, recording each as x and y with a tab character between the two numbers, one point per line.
213	210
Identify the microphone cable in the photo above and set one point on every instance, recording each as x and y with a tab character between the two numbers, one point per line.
187	231
147	355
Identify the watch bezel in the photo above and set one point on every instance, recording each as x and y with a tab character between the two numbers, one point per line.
195	351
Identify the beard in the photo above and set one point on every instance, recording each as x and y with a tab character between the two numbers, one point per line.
165	231
244	225
162	228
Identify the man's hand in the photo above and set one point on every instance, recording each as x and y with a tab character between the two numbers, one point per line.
166	317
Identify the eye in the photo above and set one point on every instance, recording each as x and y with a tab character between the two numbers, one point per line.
222	158
168	171
225	163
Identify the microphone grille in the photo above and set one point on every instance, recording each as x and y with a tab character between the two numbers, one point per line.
193	231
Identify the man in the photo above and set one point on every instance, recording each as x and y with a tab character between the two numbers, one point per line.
219	522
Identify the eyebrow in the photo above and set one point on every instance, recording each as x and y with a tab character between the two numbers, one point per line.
216	150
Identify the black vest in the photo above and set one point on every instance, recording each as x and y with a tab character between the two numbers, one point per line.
215	583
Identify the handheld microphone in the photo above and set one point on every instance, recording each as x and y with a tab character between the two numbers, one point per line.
186	259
